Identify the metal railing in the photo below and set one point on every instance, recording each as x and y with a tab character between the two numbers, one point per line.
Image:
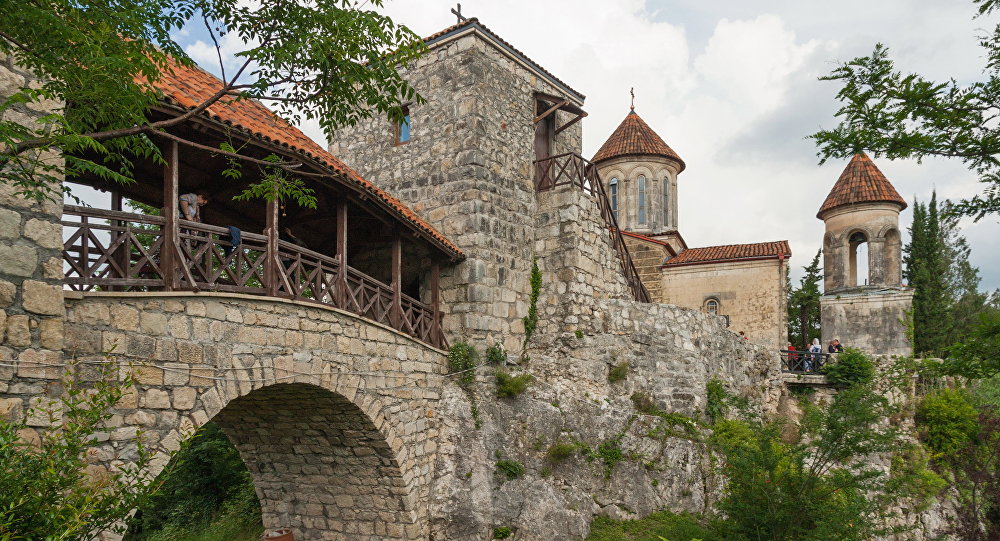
119	251
803	362
573	169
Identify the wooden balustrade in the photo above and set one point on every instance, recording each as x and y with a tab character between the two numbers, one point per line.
575	170
120	251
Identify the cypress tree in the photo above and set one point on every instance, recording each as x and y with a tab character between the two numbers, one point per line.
927	272
803	305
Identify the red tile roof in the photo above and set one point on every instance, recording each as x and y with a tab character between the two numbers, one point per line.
187	87
634	137
650	240
473	22
731	252
861	182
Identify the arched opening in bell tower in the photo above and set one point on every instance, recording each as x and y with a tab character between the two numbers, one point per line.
858	249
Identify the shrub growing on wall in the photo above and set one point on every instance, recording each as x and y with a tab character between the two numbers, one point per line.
851	367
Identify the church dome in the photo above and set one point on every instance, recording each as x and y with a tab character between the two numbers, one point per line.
861	182
634	137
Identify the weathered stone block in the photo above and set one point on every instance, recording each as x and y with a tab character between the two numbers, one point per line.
156	399
48	234
8	292
124	318
184	398
10	224
50	333
19	330
18	260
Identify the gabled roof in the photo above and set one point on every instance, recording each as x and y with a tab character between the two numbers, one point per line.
633	137
472	24
731	252
861	182
186	87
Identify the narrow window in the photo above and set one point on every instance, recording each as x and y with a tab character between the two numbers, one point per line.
614	197
666	202
712	307
641	204
403	128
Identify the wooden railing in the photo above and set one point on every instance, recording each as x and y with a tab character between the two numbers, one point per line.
573	169
119	251
803	362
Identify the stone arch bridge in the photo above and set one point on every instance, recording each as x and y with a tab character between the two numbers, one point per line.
334	415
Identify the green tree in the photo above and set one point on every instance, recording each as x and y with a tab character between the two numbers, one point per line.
927	272
47	488
329	60
803	305
887	113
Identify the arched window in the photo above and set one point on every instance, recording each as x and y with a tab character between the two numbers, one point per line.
641	200
614	197
858	248
712	307
403	128
666	202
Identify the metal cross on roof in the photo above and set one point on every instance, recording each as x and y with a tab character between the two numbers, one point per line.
632	92
458	13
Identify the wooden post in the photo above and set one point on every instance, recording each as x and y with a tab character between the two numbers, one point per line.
340	285
271	265
123	256
171	245
437	334
396	311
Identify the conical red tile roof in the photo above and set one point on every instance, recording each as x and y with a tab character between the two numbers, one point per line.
861	182
634	137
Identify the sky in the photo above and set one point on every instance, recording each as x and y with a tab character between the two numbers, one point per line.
732	86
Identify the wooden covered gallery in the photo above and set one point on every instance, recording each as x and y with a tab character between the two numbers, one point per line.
359	250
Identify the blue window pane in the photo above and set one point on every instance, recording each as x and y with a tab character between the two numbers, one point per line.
404	130
614	197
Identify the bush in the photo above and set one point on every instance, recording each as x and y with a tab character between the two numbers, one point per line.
716	398
502	532
851	367
947	421
559	452
463	358
511	386
657	526
511	469
496	355
618	372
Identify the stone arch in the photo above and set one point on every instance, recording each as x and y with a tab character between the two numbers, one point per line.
858	244
322	464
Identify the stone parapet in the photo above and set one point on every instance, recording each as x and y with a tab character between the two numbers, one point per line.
870	319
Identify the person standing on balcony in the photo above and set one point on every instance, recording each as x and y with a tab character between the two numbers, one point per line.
190	205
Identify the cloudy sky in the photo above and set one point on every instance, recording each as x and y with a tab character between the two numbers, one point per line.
732	87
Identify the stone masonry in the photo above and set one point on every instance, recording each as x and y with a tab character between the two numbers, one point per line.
336	417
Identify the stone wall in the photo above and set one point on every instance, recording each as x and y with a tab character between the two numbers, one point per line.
661	175
872	320
647	257
671	353
468	171
336	417
751	293
31	308
879	222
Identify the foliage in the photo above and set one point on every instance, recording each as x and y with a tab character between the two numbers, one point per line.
976	472
803	305
205	480
655	527
511	386
502	532
463	359
561	451
496	355
332	61
979	355
643	403
276	184
618	372
46	490
900	116
817	482
610	453
947	421
716	400
531	320
926	272
852	367
237	520
511	469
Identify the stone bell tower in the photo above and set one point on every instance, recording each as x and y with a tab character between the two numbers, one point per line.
864	303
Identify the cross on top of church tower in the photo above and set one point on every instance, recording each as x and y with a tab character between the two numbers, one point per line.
458	13
632	92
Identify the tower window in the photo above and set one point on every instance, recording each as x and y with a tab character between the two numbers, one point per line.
403	128
666	202
712	307
614	197
641	202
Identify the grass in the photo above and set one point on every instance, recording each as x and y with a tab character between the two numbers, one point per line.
660	526
224	528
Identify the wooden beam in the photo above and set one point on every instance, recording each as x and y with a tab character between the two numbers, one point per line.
340	287
396	312
271	271
551	110
171	244
437	334
570	123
